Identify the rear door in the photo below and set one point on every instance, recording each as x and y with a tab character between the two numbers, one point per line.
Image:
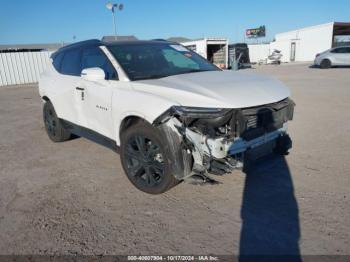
97	104
66	98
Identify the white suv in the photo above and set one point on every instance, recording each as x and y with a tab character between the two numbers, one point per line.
170	113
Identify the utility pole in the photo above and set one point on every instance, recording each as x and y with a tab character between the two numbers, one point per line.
114	8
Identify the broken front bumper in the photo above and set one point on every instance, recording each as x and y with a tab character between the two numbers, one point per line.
194	153
219	141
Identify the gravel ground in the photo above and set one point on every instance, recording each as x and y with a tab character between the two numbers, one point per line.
73	197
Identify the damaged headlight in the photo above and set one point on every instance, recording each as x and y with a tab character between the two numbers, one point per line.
199	112
210	121
191	113
247	123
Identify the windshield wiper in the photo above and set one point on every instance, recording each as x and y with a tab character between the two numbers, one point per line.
149	77
193	71
161	76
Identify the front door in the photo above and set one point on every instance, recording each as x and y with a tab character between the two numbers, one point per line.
97	103
97	107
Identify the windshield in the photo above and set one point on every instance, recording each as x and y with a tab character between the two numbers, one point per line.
157	60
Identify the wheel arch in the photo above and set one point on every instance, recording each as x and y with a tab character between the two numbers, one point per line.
181	161
329	58
127	121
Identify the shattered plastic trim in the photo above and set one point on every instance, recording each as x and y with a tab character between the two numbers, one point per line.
193	151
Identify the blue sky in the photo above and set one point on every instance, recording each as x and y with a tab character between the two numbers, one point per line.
48	21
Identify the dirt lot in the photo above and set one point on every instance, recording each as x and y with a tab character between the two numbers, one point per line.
73	197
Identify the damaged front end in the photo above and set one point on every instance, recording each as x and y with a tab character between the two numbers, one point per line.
216	141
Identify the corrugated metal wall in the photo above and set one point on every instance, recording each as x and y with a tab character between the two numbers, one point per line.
22	67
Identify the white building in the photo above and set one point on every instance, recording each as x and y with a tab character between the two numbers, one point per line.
301	45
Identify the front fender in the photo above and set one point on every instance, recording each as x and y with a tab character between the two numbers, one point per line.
135	103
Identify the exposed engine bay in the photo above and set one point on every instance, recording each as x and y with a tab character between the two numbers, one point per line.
217	141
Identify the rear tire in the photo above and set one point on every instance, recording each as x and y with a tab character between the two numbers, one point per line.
325	63
144	158
53	126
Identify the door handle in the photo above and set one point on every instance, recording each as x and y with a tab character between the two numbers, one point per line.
82	92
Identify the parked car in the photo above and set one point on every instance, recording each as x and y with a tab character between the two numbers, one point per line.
338	56
169	112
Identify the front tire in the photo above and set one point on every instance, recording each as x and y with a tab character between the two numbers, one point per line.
53	126
145	160
325	63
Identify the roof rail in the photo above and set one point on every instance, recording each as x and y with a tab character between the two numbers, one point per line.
92	42
81	43
159	39
114	38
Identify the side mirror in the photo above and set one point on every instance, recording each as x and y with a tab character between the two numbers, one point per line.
93	74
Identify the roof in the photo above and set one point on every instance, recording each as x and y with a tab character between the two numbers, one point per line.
96	42
92	42
138	42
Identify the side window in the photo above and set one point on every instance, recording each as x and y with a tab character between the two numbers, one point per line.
57	61
71	63
335	50
94	57
340	50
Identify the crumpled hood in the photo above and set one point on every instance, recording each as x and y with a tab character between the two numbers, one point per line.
224	89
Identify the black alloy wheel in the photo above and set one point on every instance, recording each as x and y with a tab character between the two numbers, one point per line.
50	122
144	161
53	127
326	63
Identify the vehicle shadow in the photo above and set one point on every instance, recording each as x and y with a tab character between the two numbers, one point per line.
270	216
